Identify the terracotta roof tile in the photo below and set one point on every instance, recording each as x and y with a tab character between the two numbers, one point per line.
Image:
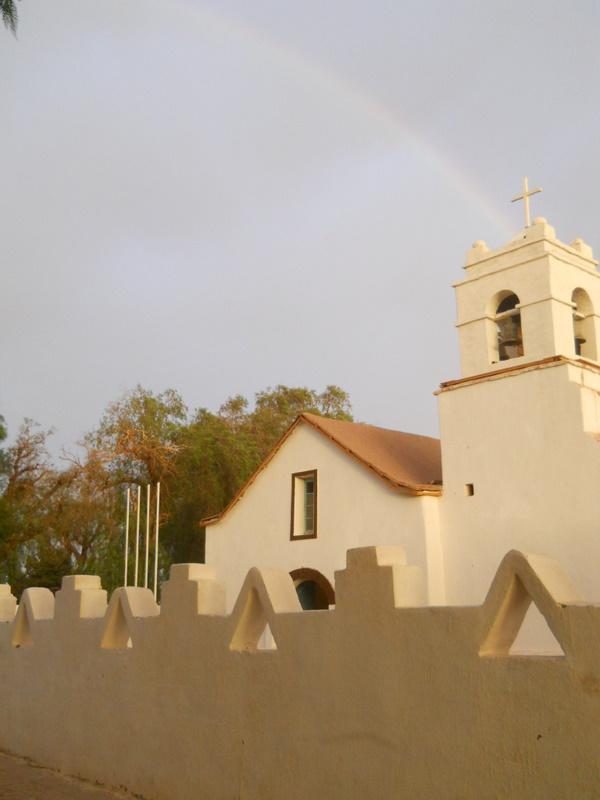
404	460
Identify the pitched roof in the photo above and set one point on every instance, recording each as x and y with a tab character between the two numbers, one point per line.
403	460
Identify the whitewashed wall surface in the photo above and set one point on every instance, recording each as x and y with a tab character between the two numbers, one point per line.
379	697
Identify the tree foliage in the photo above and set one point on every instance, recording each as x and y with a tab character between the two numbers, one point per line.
57	520
137	436
53	520
5	524
8	9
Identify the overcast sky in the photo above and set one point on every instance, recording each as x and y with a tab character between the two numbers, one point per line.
222	196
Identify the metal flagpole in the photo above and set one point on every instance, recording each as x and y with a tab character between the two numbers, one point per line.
147	535
156	541
126	537
137	535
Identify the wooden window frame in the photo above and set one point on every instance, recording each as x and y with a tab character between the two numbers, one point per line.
302	476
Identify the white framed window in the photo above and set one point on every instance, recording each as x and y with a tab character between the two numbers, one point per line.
304	505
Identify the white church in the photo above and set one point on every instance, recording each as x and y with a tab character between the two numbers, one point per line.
517	466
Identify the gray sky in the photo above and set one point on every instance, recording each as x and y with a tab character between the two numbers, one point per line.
222	196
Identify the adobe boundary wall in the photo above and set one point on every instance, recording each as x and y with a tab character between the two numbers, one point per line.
380	697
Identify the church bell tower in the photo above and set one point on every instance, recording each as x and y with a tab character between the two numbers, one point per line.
532	299
520	428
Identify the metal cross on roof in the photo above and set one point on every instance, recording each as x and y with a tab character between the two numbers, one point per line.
525	197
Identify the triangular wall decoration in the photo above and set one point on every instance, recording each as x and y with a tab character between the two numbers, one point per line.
252	624
265	594
21	635
520	581
116	634
36	604
127	605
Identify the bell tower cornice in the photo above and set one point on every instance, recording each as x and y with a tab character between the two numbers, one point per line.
533	242
592	368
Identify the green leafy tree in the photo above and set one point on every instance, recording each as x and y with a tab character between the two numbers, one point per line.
137	436
276	409
334	402
28	482
3	434
81	518
214	460
54	521
8	9
137	442
4	508
68	519
218	453
234	412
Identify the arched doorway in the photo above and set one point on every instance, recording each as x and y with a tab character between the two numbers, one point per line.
313	589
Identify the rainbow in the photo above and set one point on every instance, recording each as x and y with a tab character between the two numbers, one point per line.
312	72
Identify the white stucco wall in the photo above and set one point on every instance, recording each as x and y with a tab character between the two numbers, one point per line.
354	506
379	698
521	440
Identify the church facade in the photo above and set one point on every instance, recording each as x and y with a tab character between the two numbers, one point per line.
329	486
518	465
